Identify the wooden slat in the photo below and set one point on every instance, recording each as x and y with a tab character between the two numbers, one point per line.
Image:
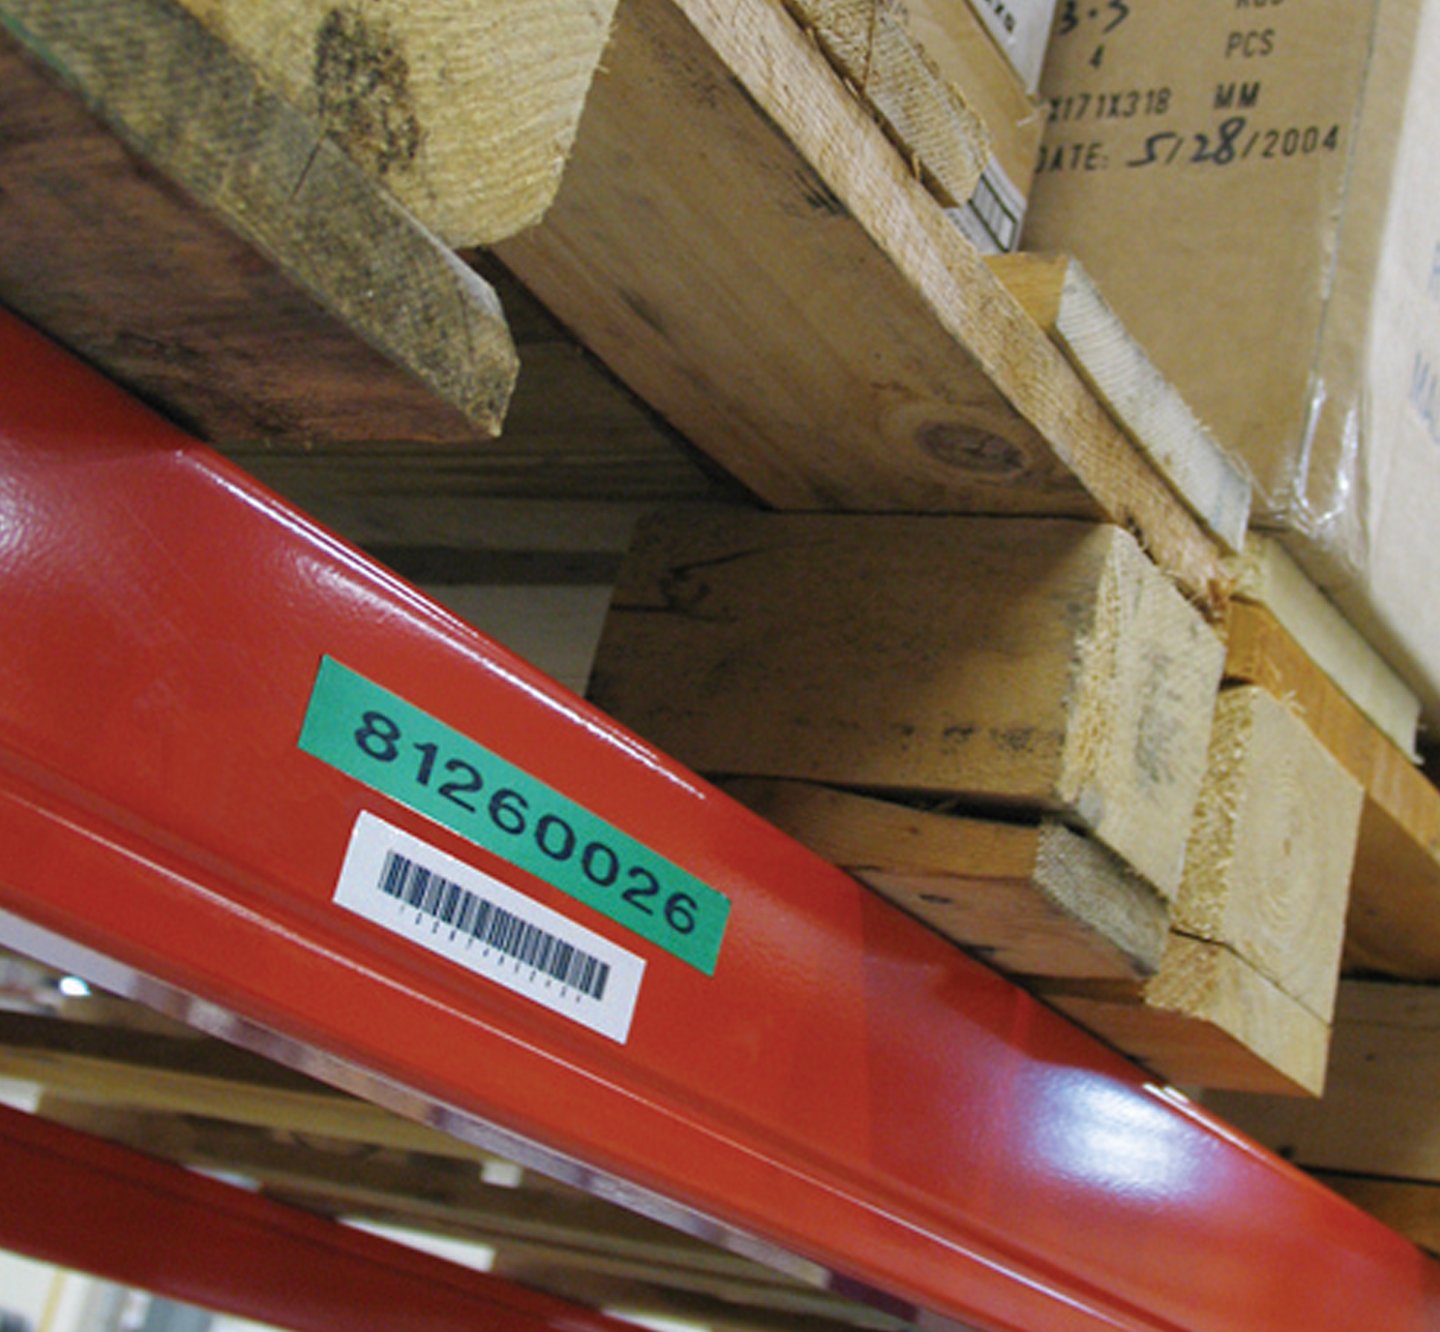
741	243
929	120
1207	1019
1244	993
1394	918
171	219
1379	1116
1039	664
181	1075
1032	900
1267	576
1062	299
464	109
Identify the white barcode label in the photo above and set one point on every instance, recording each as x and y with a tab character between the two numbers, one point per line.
990	219
464	914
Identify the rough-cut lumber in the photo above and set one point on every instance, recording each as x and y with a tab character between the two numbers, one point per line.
1379	1116
1063	300
173	220
1032	899
182	1075
930	121
1394	918
737	238
1207	1019
1267	868
1244	994
465	110
1266	575
1040	664
572	431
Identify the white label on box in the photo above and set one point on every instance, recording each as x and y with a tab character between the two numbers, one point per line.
1022	27
990	219
469	917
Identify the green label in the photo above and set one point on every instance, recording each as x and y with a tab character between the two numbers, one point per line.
394	748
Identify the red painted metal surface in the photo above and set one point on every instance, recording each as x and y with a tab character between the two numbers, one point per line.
75	1201
846	1086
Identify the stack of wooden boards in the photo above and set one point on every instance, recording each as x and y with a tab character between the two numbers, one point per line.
1046	729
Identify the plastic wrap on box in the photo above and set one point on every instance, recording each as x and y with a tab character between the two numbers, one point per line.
1254	190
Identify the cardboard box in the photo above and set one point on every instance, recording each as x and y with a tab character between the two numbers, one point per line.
1253	187
1021	28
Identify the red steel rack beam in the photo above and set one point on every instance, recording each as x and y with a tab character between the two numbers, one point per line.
825	1079
73	1200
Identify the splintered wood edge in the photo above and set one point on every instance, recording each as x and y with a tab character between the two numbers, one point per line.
1033	899
298	200
1065	302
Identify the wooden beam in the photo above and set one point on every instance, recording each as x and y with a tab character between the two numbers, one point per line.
1267	868
1394	917
1207	1019
870	45
737	238
465	111
1031	899
1379	1116
1034	664
1244	993
169	217
1061	298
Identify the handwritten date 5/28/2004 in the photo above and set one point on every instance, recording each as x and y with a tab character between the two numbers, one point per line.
1234	140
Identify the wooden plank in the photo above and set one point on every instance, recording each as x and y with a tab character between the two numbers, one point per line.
171	219
1037	664
1394	917
1269	577
184	1076
1267	868
1379	1114
1207	1019
742	244
464	110
929	120
1062	299
1031	899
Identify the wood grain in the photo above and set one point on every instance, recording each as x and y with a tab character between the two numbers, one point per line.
1032	900
1043	665
737	238
167	216
1394	915
464	109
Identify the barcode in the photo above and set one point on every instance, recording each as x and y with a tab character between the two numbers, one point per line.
992	212
480	919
